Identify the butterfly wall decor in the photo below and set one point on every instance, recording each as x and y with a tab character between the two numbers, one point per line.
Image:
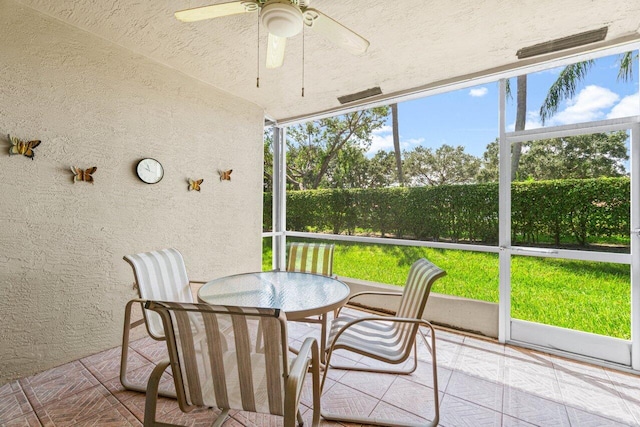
195	185
225	175
83	174
22	147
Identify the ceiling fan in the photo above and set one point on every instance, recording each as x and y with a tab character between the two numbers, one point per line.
283	19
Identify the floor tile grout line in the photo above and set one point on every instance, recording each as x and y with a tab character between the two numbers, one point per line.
563	404
473	403
394	406
605	416
33	409
558	367
119	403
381	399
627	405
99	384
28	402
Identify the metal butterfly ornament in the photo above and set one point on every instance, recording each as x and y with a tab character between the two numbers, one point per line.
21	147
225	175
83	174
195	185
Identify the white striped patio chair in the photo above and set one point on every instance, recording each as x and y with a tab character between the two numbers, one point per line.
223	369
159	275
314	258
389	339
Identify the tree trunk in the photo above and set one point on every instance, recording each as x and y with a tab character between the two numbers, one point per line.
521	117
396	142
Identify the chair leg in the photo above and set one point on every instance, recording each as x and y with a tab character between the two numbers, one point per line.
221	418
125	349
151	400
391	423
126	383
434	367
315	377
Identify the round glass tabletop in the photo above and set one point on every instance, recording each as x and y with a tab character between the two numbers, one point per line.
298	294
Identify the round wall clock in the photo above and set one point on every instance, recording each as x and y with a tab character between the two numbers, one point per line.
150	171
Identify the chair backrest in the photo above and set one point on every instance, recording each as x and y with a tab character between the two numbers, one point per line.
311	258
417	288
226	370
160	275
413	302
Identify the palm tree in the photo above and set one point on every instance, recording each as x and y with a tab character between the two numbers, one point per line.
396	142
521	116
563	88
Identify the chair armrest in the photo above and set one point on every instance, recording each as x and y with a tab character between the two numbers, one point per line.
301	363
127	312
308	354
386	319
359	294
419	322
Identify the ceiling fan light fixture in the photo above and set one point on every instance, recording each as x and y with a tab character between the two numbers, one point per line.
281	18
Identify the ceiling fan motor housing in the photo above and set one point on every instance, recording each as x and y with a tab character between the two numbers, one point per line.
281	18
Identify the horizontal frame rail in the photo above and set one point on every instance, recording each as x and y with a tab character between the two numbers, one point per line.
610	125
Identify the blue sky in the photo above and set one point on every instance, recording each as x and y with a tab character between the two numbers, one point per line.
469	117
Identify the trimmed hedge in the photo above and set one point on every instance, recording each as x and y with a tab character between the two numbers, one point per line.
578	210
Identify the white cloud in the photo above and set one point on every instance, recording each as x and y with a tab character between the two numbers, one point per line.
589	105
382	139
531	122
383	129
555	71
628	106
478	91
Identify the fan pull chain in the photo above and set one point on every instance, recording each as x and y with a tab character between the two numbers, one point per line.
258	55
303	61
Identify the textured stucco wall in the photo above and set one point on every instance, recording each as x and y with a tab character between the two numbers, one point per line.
63	283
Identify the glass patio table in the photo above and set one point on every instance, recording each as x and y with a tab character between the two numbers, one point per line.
299	295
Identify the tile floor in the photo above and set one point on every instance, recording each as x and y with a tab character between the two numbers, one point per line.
481	383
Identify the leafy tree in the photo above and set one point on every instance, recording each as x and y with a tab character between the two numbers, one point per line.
445	165
381	170
352	169
267	180
490	167
348	171
313	147
583	156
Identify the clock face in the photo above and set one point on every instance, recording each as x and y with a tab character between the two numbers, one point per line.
150	171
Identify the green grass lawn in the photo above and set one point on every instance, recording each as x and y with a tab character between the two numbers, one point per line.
582	295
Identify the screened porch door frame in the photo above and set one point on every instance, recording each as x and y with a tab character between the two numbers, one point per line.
553	338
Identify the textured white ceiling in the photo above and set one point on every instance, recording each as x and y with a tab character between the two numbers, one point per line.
413	42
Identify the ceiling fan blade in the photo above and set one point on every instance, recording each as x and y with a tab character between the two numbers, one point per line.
335	32
216	10
275	51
